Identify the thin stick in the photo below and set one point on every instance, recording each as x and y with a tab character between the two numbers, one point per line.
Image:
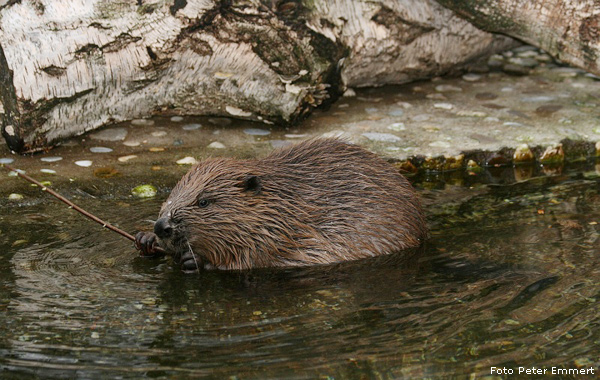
75	207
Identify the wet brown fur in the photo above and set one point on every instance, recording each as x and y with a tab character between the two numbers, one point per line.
318	202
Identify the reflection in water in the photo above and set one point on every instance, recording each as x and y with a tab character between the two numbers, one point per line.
509	278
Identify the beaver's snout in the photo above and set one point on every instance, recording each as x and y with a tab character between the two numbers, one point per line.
163	228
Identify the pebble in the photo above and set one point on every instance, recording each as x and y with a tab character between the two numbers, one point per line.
159	133
523	49
543	58
48	171
191	127
156	149
131	143
491	119
553	154
371	109
126	158
176	119
144	191
512	124
187	161
15	197
444	106
523	154
471	77
142	122
381	137
447	88
349	93
525	62
343	105
100	149
112	134
84	163
256	132
51	159
404	105
528	54
13	174
6	160
216	145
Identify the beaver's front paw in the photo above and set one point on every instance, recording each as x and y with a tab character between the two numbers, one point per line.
147	244
189	263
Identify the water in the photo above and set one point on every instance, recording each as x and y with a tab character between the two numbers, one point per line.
509	278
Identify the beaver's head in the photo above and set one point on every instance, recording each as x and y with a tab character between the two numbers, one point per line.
216	211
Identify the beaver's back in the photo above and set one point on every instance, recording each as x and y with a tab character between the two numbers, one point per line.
356	204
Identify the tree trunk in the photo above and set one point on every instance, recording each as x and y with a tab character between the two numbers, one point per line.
70	66
569	30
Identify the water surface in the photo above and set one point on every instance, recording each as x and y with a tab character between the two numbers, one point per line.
509	278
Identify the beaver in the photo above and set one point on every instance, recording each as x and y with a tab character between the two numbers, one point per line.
318	202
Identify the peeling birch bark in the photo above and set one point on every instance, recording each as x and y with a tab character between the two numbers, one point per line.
71	66
569	30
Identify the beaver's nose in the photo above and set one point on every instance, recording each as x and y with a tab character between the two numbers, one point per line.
163	228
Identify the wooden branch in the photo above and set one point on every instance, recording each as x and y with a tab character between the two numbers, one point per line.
569	30
75	207
68	67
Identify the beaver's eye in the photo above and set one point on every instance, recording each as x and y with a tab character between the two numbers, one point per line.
203	202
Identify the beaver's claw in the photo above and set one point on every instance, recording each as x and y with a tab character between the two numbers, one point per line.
147	244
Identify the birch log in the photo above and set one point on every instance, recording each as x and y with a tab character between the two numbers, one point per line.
569	30
71	66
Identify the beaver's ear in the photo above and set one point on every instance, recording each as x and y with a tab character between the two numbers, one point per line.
252	183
